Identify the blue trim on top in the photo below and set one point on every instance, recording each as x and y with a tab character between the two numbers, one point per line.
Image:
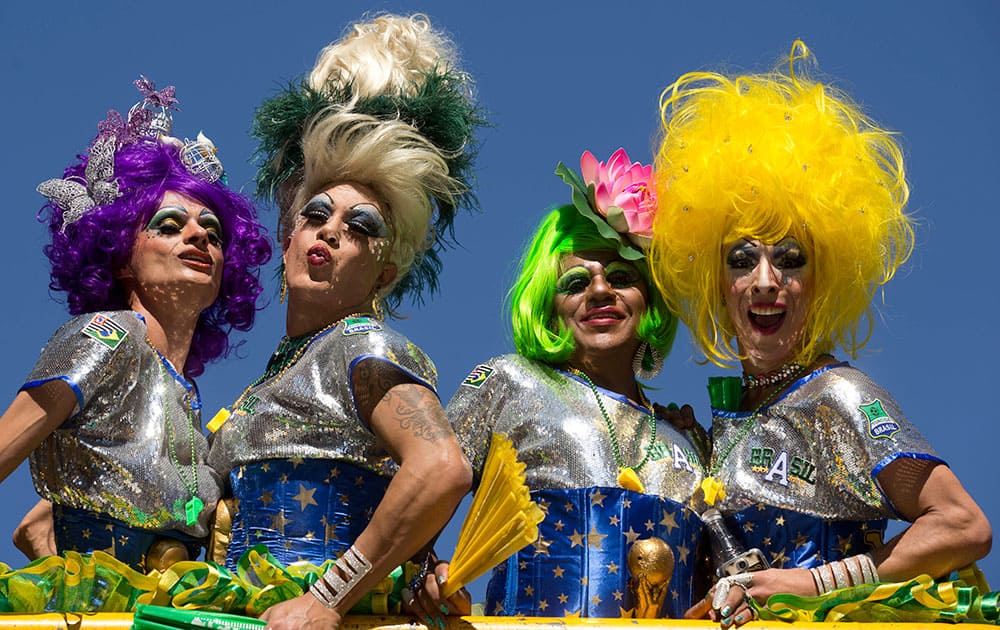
363	357
607	392
722	413
888	460
76	388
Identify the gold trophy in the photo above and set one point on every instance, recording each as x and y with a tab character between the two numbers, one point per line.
650	566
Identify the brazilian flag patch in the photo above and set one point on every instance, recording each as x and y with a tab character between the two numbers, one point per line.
478	376
105	330
360	325
880	424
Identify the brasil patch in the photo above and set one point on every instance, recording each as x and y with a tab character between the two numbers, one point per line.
105	330
360	325
880	424
478	376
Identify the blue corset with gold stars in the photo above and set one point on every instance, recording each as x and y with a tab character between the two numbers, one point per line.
301	509
85	531
795	540
578	567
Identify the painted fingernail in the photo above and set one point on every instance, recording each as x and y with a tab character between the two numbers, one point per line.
739	618
430	622
725	621
441	579
440	623
444	609
725	611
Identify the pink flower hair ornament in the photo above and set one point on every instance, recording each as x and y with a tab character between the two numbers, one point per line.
618	197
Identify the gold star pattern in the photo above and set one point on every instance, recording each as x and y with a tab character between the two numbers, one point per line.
557	572
843	544
780	521
266	467
612	568
613	520
595	600
544	505
576	540
683	552
650	525
626	503
618	595
748	527
529	591
499	609
284	477
669	521
596	498
86	534
278	521
123	541
541	545
359	481
334	472
266	498
594	539
631	535
778	559
767	541
674	594
330	531
563	598
305	497
310	535
569	506
558	525
542	605
800	540
288	544
522	565
295	461
584	581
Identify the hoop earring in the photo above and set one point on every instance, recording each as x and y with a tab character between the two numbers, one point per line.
378	306
647	362
284	287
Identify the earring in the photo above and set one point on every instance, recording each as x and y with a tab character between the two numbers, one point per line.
284	287
378	306
647	362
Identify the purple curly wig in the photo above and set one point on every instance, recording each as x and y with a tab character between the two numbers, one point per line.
86	254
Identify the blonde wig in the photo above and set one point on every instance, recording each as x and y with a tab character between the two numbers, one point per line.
403	168
764	156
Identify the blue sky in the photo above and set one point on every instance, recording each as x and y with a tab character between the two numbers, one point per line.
557	78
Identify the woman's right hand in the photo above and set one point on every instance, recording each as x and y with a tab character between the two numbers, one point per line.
427	603
35	535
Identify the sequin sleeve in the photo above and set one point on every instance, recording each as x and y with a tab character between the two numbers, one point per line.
86	351
879	427
479	400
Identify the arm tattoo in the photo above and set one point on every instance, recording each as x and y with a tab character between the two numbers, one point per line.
415	412
377	381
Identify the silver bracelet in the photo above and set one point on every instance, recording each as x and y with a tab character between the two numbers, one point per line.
854	570
826	574
839	574
817	580
331	589
868	570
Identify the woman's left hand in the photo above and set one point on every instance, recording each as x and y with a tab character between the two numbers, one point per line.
305	611
731	596
427	603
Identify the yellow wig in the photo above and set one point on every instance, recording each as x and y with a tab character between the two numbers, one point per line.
763	156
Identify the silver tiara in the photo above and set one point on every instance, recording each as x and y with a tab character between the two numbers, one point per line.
149	118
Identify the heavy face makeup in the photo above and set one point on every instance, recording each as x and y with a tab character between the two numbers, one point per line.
335	254
768	295
178	255
600	298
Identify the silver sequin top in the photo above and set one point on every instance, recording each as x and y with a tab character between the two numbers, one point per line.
115	455
308	410
817	449
554	422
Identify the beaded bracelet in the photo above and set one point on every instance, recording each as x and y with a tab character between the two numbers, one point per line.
332	588
852	571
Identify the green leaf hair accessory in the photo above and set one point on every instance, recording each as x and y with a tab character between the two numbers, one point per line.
617	197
